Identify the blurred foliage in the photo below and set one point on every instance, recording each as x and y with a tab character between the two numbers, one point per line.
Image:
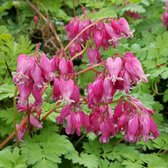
47	148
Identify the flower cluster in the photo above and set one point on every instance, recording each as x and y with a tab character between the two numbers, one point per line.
103	34
120	73
132	118
165	16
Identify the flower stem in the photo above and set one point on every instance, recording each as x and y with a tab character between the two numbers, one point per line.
78	141
79	54
15	110
89	68
87	27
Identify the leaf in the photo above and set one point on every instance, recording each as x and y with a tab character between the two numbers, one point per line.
103	13
12	159
48	147
154	161
129	164
5	5
88	160
6	91
165	96
134	8
93	147
86	78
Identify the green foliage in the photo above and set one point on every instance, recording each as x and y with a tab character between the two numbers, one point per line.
134	8
10	49
45	150
6	91
11	158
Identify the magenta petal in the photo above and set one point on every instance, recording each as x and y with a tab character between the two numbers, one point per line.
132	129
56	89
145	123
69	127
98	38
66	88
75	94
64	113
153	128
47	70
21	132
36	74
37	94
114	66
85	121
35	122
63	69
24	92
122	121
105	130
124	27
118	110
76	121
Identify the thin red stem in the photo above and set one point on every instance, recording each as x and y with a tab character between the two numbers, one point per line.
89	68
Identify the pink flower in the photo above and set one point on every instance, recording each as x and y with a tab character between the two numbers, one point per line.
75	119
118	110
98	38
153	129
75	94
35	20
24	64
75	48
93	56
66	89
165	19
134	68
114	66
145	120
64	113
24	93
132	118
124	27
106	132
95	92
108	90
132	129
116	28
35	122
65	66
56	89
46	68
102	123
21	132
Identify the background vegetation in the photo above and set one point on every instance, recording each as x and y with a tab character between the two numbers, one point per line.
49	149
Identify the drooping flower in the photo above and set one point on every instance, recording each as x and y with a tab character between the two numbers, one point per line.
75	119
65	90
102	122
46	68
134	68
134	120
165	19
93	56
124	27
114	66
65	66
75	48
